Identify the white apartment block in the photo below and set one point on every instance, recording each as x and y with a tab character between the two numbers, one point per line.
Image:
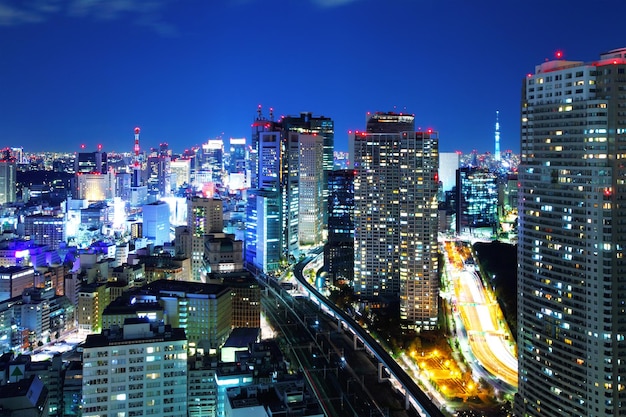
137	370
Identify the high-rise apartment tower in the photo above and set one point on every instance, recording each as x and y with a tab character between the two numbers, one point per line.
572	231
395	216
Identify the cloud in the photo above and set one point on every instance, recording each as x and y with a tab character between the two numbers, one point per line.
146	13
333	3
13	14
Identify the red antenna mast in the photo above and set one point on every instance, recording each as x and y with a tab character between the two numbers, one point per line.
137	130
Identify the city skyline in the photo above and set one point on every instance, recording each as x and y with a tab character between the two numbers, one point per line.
89	72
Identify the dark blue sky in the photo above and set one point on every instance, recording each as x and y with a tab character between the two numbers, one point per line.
78	72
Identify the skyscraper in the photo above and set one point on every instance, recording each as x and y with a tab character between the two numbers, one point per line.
275	182
159	176
7	180
237	155
477	200
572	272
395	216
322	126
339	250
268	238
91	162
310	193
263	248
211	159
181	172
205	215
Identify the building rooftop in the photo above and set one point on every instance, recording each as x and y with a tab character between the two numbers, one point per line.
243	337
140	330
187	287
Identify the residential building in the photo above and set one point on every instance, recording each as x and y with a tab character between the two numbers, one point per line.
92	300
395	216
139	369
571	269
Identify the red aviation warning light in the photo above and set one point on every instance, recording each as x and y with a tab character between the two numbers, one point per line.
558	54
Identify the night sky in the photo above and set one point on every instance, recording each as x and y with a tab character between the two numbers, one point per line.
87	72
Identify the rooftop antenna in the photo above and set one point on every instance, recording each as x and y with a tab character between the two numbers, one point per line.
136	178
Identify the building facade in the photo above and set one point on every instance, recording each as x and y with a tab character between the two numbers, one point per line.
339	249
45	229
8	174
223	253
477	200
311	204
572	232
395	216
91	163
181	172
204	216
204	311
323	127
263	242
159	176
156	222
138	370
14	280
95	186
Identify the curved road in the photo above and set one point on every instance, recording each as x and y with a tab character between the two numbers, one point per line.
488	342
